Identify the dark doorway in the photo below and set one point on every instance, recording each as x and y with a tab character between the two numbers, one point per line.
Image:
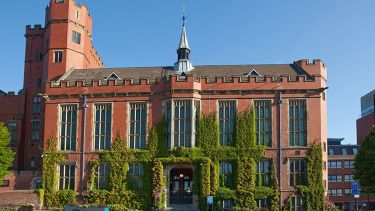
180	186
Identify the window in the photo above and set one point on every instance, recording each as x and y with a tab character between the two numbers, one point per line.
297	171
263	176
76	37
78	14
39	82
102	172
35	126
67	177
355	151
225	205
261	203
136	173
334	164
68	127
59	1
297	123
343	151
182	123
39	56
348	191
57	56
325	146
32	162
138	125
349	164
103	115
330	151
36	104
263	122
298	203
227	115
335	192
334	178
12	127
349	178
226	177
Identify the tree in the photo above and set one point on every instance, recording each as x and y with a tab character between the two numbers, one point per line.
365	164
6	153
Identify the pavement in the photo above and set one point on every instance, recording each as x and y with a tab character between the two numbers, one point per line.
182	207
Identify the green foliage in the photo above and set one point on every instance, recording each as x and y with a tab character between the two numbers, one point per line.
120	199
245	182
6	153
65	197
40	193
51	158
245	129
365	165
208	131
159	192
315	177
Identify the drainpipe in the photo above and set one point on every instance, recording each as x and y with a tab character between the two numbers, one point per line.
84	107
279	149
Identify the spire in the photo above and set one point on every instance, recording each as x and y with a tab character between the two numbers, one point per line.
183	52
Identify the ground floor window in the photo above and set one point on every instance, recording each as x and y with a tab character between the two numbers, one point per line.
225	205
226	177
298	203
136	173
261	203
102	173
67	177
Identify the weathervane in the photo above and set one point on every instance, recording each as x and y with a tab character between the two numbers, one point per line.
183	16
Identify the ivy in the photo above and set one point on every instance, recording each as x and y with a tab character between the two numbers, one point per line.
159	191
245	129
208	131
245	182
51	157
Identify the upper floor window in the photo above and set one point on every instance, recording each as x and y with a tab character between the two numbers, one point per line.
355	151
297	123
36	104
297	172
263	122
59	1
263	173
227	118
35	127
349	164
179	123
67	177
334	178
78	14
330	151
138	125
136	174
68	127
335	192
57	56
76	37
343	151
39	56
298	203
12	127
334	164
226	177
103	115
349	178
102	173
39	82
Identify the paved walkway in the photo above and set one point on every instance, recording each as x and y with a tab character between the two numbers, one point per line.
182	207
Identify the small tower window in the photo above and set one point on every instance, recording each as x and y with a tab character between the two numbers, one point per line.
57	57
59	1
76	37
78	14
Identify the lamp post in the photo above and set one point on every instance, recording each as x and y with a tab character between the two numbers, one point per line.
356	198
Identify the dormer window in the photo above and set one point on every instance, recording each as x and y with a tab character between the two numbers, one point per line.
113	76
253	73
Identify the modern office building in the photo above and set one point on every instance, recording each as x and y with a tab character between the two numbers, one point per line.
367	119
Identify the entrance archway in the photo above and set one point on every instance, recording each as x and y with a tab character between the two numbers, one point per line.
180	186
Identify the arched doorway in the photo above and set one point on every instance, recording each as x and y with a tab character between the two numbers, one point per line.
180	186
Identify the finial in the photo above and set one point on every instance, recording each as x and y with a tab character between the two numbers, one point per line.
183	16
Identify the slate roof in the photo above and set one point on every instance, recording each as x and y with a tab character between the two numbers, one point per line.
336	148
277	70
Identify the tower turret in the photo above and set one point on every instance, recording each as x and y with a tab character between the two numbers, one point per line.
183	63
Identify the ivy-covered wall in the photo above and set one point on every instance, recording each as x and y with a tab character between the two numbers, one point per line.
205	158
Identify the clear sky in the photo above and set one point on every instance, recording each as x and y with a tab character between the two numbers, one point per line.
146	33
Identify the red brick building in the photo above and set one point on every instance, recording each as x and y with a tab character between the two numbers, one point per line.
68	94
367	119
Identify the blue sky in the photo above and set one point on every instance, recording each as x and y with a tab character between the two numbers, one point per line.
146	33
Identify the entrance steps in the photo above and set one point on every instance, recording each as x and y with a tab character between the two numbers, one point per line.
182	207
